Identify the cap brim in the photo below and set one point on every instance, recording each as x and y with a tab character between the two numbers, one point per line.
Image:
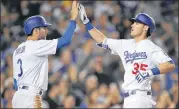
47	24
132	20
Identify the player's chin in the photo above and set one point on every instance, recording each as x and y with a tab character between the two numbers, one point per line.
132	34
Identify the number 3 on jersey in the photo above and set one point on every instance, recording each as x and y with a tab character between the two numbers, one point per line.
138	66
19	61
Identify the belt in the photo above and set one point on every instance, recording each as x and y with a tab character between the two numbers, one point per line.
134	92
27	87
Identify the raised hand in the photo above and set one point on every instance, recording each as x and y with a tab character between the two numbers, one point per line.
83	16
74	10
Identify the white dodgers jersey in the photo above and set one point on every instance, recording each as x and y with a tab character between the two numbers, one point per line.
30	62
135	57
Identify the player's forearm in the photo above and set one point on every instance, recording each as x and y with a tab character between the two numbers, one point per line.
67	37
166	67
96	34
162	68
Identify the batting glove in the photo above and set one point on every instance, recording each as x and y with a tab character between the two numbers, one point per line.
83	16
142	75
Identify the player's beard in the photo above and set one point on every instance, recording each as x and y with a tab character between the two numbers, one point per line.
42	37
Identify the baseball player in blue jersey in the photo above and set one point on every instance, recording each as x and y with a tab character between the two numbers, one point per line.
30	59
141	58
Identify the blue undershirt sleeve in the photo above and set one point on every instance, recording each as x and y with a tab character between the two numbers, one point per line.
67	37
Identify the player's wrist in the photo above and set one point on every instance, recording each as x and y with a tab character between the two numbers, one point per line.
73	18
89	26
73	21
154	71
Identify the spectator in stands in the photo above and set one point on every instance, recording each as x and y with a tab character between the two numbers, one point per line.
91	83
69	102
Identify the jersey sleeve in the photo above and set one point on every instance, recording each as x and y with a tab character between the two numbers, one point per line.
46	47
114	44
159	56
15	86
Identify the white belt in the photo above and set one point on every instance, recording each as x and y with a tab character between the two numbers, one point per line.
133	92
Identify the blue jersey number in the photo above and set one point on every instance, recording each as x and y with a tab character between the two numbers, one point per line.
19	61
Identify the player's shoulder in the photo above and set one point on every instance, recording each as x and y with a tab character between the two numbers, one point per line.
121	39
127	41
44	41
20	45
152	45
35	43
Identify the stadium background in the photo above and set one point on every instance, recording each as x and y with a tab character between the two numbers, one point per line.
84	74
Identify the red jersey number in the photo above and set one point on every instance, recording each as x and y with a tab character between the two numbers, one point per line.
138	66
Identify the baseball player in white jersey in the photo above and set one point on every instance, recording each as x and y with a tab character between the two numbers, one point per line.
30	60
141	58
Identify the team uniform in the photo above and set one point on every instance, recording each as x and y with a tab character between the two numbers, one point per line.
135	57
30	63
140	60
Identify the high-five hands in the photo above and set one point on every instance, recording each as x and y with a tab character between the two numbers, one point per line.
74	10
82	12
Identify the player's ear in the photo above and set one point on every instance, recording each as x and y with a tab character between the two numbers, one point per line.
146	28
36	31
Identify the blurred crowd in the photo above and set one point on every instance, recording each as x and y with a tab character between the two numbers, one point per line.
82	74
